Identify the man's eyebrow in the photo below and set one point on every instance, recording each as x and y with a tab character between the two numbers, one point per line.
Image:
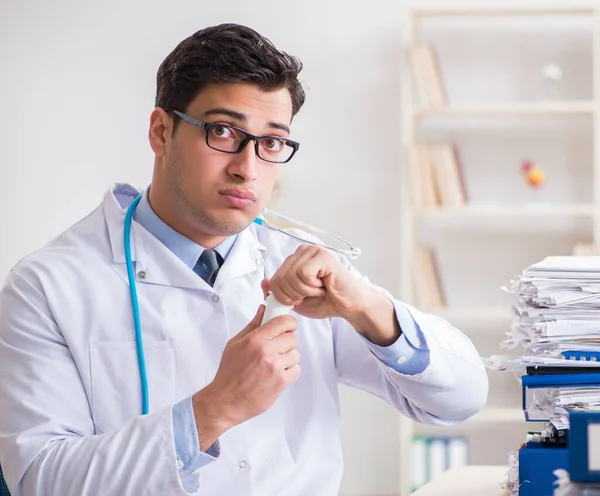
277	125
238	116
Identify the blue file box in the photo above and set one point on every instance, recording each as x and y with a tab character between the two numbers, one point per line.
581	467
536	466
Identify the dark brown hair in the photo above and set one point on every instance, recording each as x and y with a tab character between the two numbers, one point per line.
228	53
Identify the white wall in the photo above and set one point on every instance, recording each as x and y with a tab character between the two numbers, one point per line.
77	82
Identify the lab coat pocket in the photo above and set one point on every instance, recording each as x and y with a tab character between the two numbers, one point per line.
116	387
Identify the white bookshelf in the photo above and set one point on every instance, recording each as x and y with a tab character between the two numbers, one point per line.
505	424
499	210
514	109
477	421
521	10
475	315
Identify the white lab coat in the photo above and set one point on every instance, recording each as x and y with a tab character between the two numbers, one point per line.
70	420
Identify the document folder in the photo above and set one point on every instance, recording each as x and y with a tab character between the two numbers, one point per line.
536	467
584	446
547	382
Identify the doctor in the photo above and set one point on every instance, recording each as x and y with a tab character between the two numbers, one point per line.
235	407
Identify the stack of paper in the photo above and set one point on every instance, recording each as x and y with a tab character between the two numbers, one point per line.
557	307
556	310
556	325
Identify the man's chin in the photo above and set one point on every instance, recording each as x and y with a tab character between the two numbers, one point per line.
230	225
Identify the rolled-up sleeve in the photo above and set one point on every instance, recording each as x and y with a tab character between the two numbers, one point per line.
409	354
187	445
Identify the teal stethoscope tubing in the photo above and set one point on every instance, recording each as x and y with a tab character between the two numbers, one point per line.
351	251
135	306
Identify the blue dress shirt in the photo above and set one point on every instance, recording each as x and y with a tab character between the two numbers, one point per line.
403	355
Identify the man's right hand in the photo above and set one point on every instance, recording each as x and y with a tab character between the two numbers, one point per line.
256	367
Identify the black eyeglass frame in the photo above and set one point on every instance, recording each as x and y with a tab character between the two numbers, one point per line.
207	126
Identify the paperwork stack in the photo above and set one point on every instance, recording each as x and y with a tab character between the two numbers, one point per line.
556	322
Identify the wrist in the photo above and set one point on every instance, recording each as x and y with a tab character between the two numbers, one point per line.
375	318
211	416
359	316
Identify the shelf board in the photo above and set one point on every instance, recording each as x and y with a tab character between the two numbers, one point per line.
476	210
482	419
491	415
474	314
512	109
524	10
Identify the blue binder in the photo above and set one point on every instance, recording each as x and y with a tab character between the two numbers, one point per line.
536	468
584	462
581	355
546	381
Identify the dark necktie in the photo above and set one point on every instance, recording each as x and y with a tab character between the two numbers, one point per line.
208	266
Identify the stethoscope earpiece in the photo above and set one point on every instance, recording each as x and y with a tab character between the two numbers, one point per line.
352	252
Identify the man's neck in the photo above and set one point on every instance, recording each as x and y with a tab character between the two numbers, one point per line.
170	216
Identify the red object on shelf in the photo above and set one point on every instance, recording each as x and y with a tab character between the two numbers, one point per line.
534	175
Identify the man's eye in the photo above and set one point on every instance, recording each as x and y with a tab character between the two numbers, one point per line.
221	132
272	144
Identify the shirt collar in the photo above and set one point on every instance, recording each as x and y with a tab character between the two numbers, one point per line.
184	248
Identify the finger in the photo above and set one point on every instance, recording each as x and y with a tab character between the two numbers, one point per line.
289	359
312	266
292	374
284	342
312	307
294	287
285	294
297	277
300	259
275	327
266	287
283	268
301	279
253	324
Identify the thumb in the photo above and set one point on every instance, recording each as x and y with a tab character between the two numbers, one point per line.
266	287
254	323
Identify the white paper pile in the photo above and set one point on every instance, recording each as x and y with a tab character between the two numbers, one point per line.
556	323
556	307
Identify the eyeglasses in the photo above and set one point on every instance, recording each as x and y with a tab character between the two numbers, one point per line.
232	139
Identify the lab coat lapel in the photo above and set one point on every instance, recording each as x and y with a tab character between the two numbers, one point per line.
163	267
245	257
156	264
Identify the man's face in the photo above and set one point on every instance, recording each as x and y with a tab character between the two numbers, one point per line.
223	192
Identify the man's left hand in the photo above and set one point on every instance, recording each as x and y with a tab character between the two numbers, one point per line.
319	286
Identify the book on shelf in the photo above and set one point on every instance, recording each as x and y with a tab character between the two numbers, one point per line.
436	177
426	74
428	292
432	456
583	249
421	178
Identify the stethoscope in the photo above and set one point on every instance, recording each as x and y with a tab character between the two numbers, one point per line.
350	251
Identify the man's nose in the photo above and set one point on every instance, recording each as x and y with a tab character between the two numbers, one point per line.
244	164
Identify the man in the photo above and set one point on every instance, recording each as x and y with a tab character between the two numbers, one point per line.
235	407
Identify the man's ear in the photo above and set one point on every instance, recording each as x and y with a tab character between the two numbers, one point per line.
160	132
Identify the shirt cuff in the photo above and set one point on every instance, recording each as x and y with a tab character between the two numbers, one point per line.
187	445
409	354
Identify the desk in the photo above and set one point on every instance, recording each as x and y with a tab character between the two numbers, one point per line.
470	480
